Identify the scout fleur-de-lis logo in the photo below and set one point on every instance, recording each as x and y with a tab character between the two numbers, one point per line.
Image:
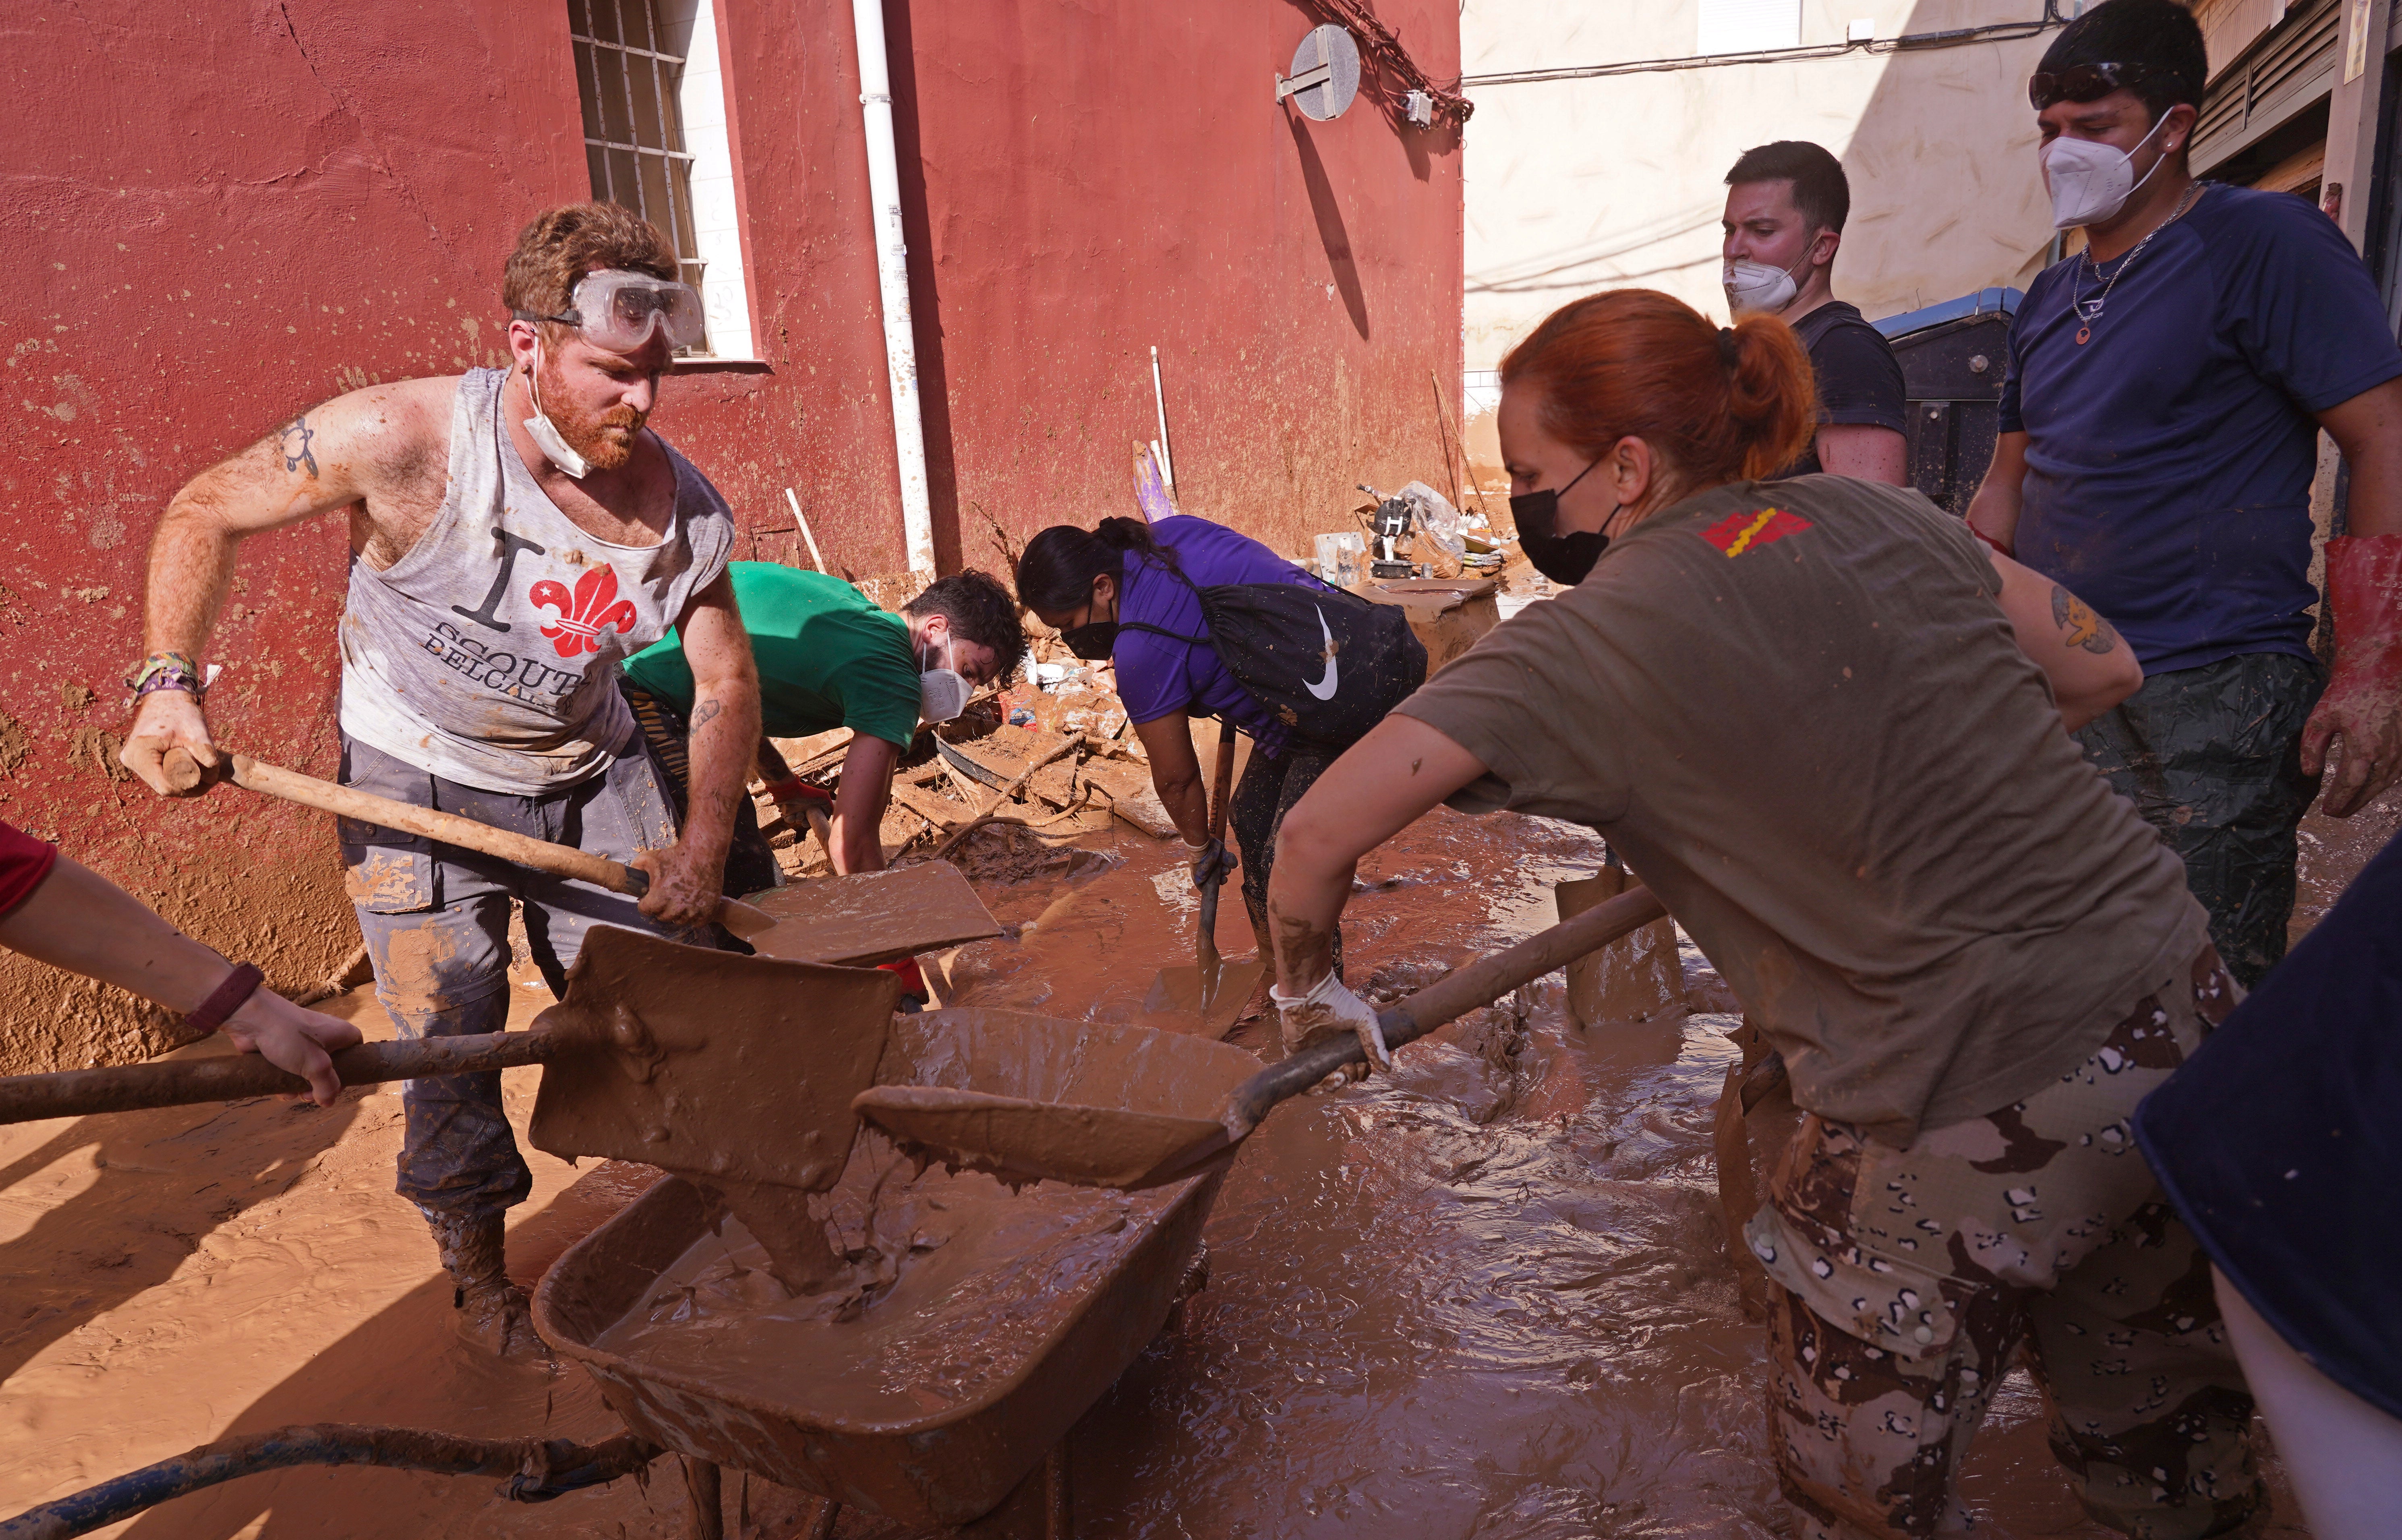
592	609
1749	531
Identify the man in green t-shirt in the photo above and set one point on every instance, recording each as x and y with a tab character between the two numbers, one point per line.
829	658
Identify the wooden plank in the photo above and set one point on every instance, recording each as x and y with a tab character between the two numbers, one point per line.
941	812
1131	797
875	916
1000	758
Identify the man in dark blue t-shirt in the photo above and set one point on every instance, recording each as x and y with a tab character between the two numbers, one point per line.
2158	438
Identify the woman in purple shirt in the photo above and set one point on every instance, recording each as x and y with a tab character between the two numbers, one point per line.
1111	592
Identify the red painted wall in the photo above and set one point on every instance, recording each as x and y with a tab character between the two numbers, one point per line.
235	213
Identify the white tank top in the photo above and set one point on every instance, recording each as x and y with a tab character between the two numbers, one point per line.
489	654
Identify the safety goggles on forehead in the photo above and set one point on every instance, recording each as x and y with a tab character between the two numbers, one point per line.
2087	82
620	311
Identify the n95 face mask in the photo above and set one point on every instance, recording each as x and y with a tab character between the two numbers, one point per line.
941	693
1752	286
2090	182
544	434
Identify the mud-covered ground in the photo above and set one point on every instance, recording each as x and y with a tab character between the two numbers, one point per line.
1485	1298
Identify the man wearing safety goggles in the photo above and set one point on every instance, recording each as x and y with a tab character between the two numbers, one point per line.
514	535
2160	424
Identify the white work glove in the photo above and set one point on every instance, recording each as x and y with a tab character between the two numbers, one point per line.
1327	1010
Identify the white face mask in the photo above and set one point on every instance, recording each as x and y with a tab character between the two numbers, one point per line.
1757	286
943	693
546	437
2090	182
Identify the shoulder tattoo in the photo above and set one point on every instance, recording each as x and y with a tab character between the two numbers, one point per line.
294	445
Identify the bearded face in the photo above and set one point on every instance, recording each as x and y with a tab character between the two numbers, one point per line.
586	407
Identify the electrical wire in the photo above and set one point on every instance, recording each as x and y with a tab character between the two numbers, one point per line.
1999	32
1379	45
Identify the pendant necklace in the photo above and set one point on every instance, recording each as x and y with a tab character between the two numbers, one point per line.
2091	309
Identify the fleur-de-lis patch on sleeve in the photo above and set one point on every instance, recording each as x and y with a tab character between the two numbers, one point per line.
593	608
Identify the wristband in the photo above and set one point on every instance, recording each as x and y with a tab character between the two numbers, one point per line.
228	997
1995	544
167	671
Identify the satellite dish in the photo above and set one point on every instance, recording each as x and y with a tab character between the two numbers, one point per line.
1325	73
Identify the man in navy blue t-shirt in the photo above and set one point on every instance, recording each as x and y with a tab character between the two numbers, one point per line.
2158	438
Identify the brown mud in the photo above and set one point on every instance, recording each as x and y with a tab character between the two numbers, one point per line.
956	1280
1487	1296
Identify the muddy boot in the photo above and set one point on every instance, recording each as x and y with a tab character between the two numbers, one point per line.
494	1313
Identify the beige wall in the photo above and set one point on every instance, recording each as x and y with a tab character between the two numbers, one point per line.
1583	184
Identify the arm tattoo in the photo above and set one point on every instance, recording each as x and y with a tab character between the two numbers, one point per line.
705	713
294	446
2083	627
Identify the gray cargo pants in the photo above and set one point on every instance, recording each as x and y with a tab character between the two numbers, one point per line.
436	922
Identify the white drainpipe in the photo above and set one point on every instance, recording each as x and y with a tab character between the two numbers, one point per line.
893	279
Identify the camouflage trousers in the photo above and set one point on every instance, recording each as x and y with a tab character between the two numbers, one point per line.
1905	1280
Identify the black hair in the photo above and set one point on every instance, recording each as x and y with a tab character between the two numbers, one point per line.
1057	572
980	611
1820	189
2156	32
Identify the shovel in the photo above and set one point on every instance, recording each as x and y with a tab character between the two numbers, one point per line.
559	860
717	1067
1023	1139
865	918
1211	989
1639	978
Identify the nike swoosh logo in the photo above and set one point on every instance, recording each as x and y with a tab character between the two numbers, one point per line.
1324	689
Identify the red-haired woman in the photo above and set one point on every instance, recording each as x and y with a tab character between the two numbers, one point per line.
1825	725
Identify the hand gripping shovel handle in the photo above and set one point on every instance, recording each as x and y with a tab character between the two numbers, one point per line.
1454	995
559	860
184	1082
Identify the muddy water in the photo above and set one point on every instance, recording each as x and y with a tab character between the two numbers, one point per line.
1484	1298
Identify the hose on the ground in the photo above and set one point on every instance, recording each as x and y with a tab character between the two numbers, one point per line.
538	1469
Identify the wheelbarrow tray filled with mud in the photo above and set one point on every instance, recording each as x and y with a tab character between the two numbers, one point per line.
978	1322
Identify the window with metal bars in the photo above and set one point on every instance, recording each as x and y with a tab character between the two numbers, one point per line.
629	72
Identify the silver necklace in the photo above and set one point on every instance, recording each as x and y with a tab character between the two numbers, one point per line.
2091	309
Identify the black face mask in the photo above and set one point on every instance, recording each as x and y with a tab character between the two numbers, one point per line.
1563	558
1093	641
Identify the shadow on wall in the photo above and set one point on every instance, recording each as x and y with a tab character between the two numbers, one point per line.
1949	131
1331	232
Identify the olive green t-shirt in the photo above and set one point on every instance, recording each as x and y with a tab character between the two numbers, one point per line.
1797	711
827	656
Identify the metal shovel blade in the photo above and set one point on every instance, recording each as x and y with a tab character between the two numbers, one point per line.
1028	1097
1019	1138
1215	997
870	917
1637	978
709	1064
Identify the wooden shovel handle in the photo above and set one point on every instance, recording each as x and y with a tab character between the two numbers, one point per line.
1220	798
1454	995
183	1082
1221	782
559	860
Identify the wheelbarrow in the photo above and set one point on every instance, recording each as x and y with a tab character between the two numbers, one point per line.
942	1406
